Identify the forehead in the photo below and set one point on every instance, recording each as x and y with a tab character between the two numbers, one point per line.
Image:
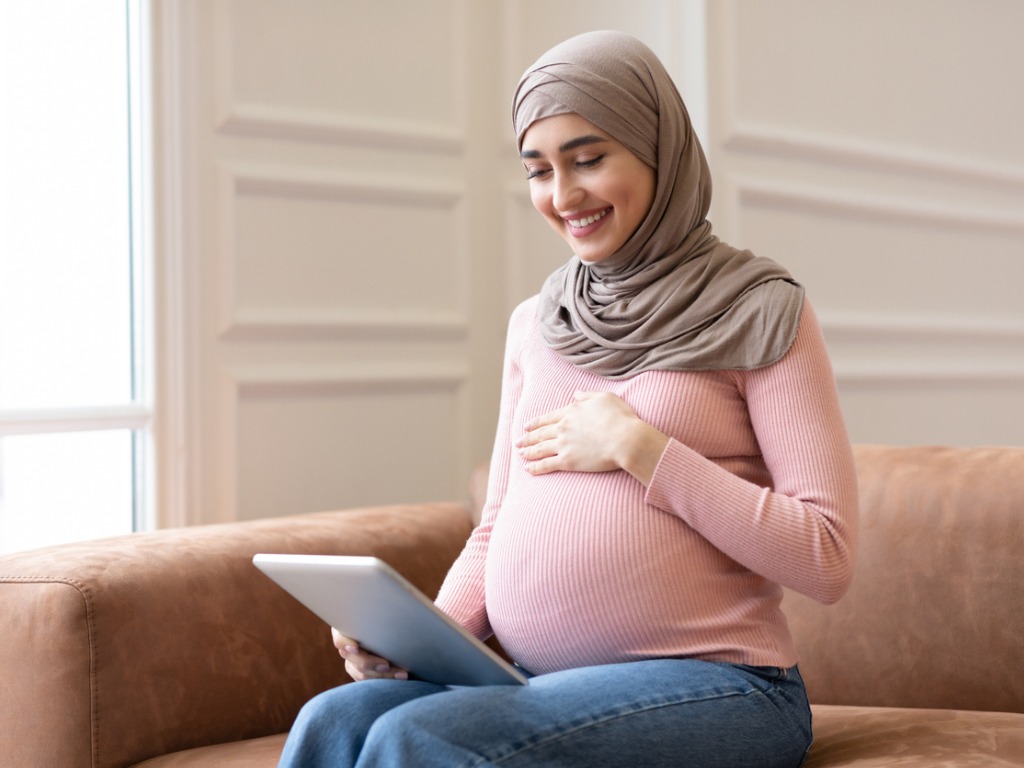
548	133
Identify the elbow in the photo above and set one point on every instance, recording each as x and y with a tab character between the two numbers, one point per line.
831	585
831	593
836	560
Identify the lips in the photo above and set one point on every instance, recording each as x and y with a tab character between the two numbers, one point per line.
585	224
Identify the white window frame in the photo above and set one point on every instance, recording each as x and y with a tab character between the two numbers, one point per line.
137	415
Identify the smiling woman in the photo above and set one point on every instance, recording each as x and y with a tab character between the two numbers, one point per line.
72	417
670	453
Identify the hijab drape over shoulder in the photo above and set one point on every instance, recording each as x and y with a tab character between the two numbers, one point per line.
673	297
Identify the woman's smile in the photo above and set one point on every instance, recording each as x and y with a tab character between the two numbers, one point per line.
582	225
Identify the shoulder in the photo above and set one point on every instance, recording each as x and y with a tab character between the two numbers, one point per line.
527	307
521	325
524	317
807	358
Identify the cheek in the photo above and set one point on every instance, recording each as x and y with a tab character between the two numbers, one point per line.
542	202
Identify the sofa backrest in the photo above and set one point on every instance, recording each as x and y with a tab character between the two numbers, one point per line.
935	615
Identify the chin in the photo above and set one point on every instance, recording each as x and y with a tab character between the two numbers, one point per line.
592	258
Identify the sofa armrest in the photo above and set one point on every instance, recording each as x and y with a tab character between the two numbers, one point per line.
127	648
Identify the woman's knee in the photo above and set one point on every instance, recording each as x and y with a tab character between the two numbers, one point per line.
323	708
358	705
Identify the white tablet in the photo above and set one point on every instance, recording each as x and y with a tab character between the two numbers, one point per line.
366	599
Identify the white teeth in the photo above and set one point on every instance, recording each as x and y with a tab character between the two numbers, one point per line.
580	223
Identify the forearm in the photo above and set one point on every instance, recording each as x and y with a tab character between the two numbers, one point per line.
797	523
798	538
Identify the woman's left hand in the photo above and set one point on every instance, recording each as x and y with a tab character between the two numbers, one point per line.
597	432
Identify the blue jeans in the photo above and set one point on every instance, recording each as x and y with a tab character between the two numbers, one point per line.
664	712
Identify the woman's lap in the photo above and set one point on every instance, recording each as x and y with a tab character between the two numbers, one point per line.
647	713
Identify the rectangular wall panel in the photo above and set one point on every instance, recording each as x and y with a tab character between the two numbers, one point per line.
319	247
304	448
347	64
923	74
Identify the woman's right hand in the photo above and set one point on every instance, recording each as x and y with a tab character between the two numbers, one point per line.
364	666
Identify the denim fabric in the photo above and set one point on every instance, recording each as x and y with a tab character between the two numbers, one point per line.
665	712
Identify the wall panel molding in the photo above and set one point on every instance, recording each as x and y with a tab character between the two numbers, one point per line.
925	350
273	325
911	374
234	116
275	122
877	328
296	381
818	198
849	152
300	323
302	182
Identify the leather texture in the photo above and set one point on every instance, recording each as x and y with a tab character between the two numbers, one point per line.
170	650
120	650
935	615
877	737
252	753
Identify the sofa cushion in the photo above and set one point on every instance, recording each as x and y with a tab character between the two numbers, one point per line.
251	753
872	737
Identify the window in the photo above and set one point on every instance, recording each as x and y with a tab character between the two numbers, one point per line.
74	409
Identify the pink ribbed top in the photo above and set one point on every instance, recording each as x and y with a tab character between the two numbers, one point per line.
756	490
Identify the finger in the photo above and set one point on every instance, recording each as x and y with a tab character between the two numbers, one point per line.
535	453
340	640
538	435
353	671
379	671
552	417
544	466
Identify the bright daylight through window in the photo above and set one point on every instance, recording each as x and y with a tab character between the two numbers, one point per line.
74	416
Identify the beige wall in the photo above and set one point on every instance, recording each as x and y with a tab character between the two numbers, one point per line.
875	148
342	228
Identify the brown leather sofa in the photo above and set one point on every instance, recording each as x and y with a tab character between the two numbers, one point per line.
169	648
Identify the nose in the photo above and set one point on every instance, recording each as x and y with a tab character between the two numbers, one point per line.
567	192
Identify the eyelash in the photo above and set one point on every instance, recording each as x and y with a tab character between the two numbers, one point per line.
582	164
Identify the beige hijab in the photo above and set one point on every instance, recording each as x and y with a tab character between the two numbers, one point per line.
673	297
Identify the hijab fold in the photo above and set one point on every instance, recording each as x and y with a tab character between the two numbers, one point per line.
673	297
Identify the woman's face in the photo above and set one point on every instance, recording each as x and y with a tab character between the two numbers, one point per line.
592	190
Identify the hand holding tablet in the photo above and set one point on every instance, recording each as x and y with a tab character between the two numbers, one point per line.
361	665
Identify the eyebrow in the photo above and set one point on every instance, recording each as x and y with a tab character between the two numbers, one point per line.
579	141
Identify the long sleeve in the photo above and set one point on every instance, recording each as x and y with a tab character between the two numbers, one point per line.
800	532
